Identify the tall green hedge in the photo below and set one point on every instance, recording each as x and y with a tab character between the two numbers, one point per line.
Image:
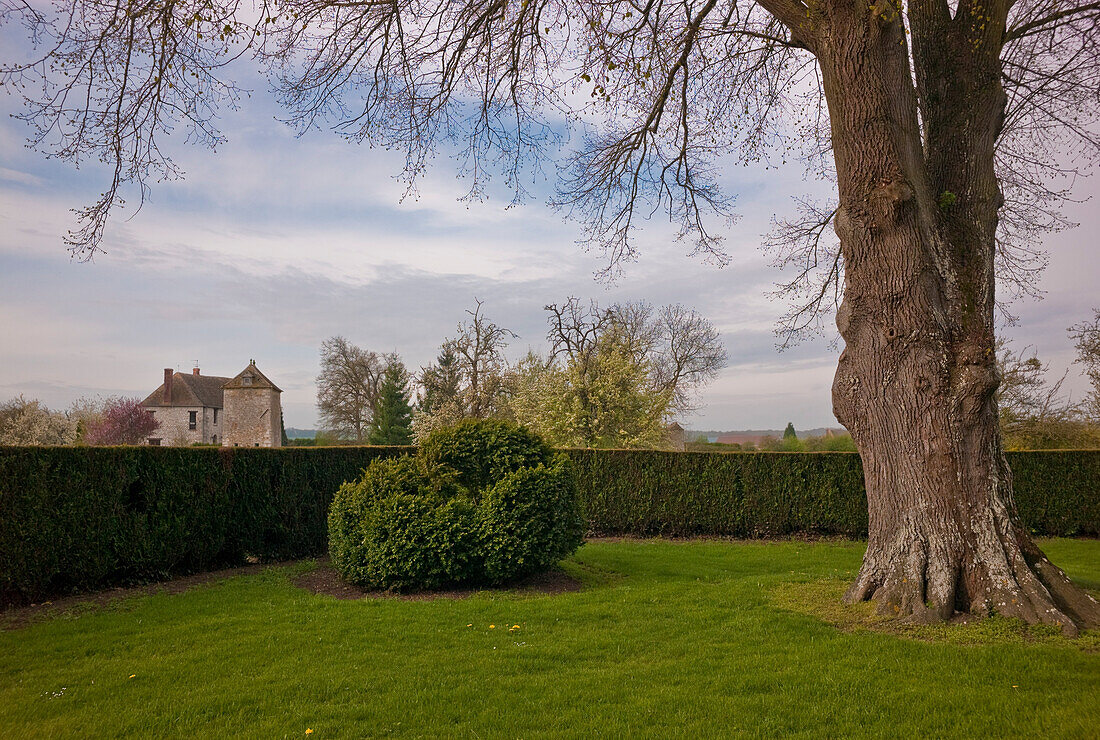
78	518
770	494
679	494
75	518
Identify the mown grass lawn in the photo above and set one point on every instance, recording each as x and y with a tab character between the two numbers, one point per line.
667	639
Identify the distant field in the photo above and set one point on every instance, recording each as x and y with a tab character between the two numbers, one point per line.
685	639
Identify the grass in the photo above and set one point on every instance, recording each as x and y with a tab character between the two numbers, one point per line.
667	639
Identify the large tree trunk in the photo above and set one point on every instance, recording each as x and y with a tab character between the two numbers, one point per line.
915	384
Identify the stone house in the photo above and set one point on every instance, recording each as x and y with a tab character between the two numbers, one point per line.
243	411
676	440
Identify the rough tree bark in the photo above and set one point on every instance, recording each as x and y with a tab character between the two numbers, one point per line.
915	384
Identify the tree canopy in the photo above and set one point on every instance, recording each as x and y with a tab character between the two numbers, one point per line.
665	90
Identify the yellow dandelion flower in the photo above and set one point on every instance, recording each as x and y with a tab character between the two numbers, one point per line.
492	626
309	731
132	675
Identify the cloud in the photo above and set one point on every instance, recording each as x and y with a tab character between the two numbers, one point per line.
23	178
273	243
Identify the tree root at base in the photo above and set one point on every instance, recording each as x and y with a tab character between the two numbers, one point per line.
927	583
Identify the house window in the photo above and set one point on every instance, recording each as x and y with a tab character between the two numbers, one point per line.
246	380
154	441
215	416
192	419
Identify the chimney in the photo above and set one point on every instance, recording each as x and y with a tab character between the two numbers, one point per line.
195	371
167	385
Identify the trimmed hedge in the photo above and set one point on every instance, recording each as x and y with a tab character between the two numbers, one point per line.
79	518
774	494
680	494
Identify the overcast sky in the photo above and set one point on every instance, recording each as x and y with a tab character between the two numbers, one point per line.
274	243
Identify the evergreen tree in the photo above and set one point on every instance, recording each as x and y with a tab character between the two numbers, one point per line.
392	421
789	432
282	430
442	382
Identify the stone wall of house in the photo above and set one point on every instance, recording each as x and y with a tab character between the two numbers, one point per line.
175	422
252	417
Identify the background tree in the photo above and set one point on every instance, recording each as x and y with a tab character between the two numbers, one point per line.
789	432
468	379
944	123
441	403
830	443
479	347
392	421
441	383
24	422
85	412
284	440
347	388
1086	336
123	421
1035	414
605	402
681	349
325	438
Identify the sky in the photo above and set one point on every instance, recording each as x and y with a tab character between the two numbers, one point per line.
274	243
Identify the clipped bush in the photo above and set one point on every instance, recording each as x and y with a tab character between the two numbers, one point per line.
476	453
390	529
483	502
529	521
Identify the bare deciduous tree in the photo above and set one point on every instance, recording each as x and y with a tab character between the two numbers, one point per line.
943	123
348	388
480	346
468	379
1035	413
1086	337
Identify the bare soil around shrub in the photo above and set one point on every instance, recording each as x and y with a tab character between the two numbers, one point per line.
324	580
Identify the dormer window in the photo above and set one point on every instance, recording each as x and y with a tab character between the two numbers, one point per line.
246	380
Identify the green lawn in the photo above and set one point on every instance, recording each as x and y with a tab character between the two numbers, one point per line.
667	639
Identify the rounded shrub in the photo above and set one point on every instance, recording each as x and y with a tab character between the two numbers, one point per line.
476	453
482	502
529	521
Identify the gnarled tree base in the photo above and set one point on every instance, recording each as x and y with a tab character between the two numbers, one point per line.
995	570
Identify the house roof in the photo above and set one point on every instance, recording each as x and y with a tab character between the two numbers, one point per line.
255	379
189	389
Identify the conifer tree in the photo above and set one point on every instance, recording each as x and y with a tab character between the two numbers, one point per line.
392	421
